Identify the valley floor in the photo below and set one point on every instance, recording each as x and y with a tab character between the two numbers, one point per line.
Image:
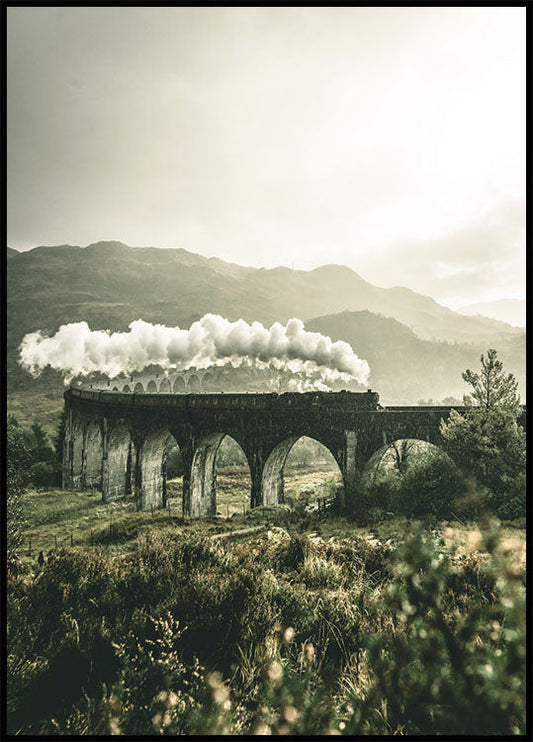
69	519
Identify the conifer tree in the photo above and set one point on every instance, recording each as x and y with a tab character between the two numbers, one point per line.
486	441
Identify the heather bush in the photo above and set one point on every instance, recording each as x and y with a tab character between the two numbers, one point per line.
445	670
278	634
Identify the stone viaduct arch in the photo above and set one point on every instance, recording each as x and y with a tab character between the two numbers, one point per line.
191	380
117	440
202	484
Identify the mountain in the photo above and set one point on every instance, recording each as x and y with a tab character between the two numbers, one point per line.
405	368
416	348
11	251
512	311
109	284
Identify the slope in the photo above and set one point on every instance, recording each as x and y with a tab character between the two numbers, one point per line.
406	369
110	284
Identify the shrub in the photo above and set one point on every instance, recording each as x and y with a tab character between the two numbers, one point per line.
508	499
429	488
274	635
445	671
43	474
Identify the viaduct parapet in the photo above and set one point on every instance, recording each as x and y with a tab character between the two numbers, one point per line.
117	441
213	379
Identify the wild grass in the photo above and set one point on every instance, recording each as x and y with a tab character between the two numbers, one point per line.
310	626
41	403
63	518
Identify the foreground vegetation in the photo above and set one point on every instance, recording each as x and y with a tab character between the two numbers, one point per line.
309	626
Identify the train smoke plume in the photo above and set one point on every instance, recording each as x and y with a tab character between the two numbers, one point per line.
76	350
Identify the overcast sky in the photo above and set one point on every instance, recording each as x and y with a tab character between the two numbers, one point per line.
391	140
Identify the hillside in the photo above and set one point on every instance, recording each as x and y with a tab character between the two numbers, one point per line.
109	284
512	311
416	348
405	368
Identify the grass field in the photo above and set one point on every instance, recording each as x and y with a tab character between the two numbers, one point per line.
65	519
42	405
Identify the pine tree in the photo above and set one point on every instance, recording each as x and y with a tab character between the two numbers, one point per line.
492	387
487	442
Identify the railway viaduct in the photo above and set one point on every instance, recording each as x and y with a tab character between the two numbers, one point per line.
192	380
116	441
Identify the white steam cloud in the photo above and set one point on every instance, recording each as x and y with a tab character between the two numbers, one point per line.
76	350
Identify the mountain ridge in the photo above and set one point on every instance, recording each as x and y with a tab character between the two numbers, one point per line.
112	272
513	309
404	368
408	338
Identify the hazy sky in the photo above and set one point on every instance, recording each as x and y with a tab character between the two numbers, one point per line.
391	140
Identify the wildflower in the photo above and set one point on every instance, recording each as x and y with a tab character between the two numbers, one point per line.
114	727
407	608
506	546
275	672
309	652
214	679
288	634
172	699
220	694
495	633
290	714
115	704
474	540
